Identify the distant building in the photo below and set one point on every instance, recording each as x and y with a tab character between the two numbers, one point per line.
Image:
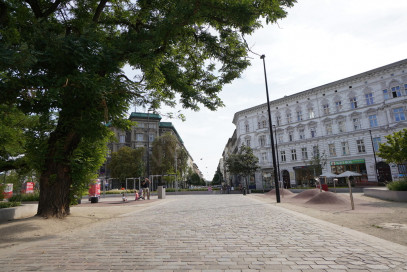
343	122
148	127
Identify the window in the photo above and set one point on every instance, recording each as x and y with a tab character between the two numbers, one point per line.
278	120
248	142
386	94
283	158
264	157
315	151
247	128
313	132
293	154
151	137
356	123
280	137
262	140
376	143
326	109
122	139
299	116
405	89
311	113
341	126
290	136
332	151
139	137
258	125
264	123
369	99
399	114
151	125
345	148
361	146
373	120
140	125
395	91
338	106
353	103
289	118
304	153
328	129
302	133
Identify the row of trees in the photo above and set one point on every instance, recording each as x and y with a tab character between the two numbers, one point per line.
167	158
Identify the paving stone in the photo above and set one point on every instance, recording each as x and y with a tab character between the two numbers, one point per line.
209	233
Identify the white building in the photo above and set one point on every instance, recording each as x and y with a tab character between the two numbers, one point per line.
341	121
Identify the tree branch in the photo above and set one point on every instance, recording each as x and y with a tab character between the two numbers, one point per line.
99	10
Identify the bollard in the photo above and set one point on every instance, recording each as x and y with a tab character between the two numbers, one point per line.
244	190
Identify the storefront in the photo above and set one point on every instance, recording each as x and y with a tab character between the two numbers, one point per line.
357	165
305	175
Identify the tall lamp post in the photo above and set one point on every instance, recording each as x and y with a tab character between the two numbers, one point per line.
273	151
278	162
148	142
374	155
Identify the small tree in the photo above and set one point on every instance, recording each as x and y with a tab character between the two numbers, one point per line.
195	179
395	150
243	163
218	177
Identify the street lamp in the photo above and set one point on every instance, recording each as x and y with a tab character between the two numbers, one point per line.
148	141
273	151
374	155
278	162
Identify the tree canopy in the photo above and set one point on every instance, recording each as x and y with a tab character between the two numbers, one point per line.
64	61
395	149
127	163
243	163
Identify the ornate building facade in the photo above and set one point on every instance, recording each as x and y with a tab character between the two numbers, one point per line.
341	124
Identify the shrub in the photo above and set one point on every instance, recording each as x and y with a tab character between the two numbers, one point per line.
26	197
400	185
9	204
1	192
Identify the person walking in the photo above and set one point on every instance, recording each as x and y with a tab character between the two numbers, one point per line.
146	188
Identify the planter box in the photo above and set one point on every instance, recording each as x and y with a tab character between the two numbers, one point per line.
384	193
23	211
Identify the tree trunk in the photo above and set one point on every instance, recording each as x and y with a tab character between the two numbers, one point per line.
55	179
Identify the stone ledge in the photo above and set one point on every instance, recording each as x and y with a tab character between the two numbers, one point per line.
384	193
23	211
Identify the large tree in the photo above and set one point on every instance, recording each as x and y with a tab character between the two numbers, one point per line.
63	61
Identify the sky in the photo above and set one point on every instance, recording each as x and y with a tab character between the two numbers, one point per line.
320	41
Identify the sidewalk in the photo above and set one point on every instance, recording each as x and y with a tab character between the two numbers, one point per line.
209	233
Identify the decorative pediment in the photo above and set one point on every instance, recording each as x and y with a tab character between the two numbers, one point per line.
312	124
327	120
370	111
355	114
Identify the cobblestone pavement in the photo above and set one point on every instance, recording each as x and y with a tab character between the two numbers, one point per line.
210	233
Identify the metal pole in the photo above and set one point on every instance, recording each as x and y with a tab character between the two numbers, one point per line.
278	161
374	155
273	151
148	143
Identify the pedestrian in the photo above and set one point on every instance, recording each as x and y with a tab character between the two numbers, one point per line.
146	188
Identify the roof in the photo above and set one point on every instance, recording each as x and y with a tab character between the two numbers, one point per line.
171	126
143	115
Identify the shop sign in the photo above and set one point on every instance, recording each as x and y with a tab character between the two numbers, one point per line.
357	161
